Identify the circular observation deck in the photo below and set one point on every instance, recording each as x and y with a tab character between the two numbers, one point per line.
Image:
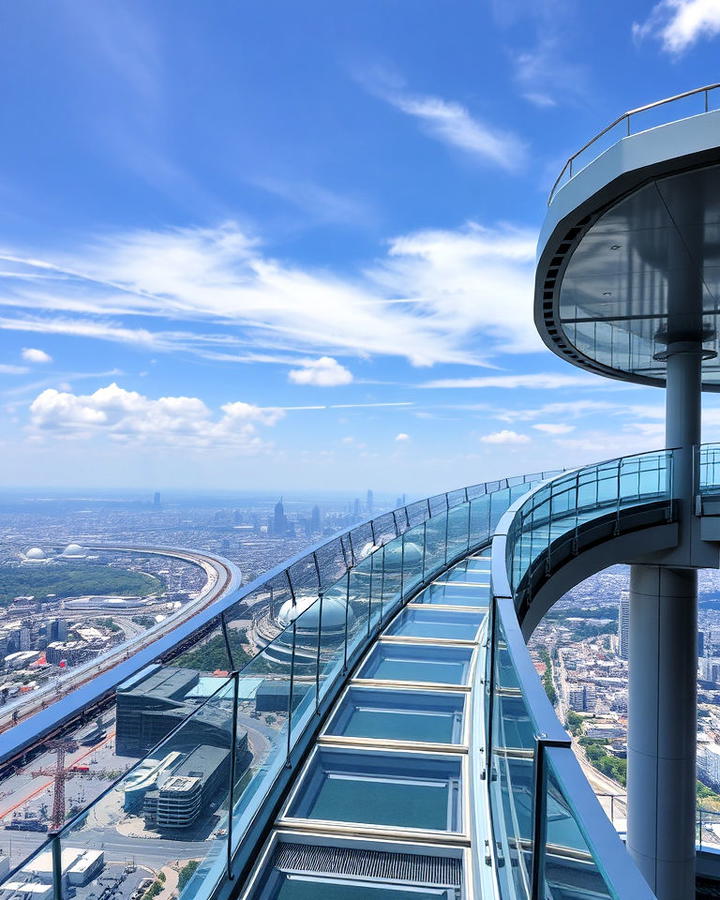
629	253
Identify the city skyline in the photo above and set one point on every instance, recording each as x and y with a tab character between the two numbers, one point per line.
214	276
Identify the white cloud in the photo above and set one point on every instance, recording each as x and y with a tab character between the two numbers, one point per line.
402	437
126	415
678	24
453	124
33	355
544	76
554	428
322	372
453	296
505	437
9	369
539	381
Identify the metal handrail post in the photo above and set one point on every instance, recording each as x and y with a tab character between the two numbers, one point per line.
347	609
382	587
491	689
233	763
424	550
290	694
317	661
57	873
370	590
539	832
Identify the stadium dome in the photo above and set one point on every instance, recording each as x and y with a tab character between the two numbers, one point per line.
35	554
74	551
333	614
395	556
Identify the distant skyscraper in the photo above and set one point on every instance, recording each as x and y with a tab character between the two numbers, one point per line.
279	520
370	502
315	525
356	508
156	499
624	625
701	644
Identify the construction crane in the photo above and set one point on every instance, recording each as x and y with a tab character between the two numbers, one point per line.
61	773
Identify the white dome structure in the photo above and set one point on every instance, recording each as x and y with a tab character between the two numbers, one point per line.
74	551
35	555
333	614
396	556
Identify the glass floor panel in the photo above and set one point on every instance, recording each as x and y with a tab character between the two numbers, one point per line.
365	787
455	595
399	715
434	665
436	623
471	576
287	886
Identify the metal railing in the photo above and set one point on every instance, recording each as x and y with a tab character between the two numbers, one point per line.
317	616
623	124
547	824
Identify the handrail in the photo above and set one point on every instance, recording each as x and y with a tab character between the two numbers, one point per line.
539	740
627	117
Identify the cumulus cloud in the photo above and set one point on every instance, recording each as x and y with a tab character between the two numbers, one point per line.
505	437
126	415
402	437
678	24
322	372
442	296
33	355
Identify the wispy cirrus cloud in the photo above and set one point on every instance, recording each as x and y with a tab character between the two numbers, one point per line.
535	381
433	297
449	121
678	24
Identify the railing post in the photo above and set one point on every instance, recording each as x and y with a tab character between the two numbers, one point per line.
492	622
288	764
370	591
628	125
424	549
549	528
447	525
382	585
347	609
402	568
617	503
317	661
57	873
469	505
706	101
539	833
233	763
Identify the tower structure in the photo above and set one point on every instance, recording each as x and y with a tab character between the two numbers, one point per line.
626	287
624	625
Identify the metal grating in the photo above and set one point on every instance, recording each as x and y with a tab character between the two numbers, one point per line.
408	867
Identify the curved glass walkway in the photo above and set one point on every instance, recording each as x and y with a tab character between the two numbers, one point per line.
392	738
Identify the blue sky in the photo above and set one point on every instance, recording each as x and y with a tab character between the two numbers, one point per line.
291	245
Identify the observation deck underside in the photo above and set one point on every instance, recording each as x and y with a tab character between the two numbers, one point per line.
630	258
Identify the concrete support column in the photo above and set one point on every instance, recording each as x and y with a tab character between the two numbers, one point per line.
683	411
662	728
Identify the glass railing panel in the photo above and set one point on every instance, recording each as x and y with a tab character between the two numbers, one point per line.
479	520
207	655
268	694
458	531
435	543
333	632
359	613
29	876
330	563
168	816
500	501
513	757
413	558
569	859
305	664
